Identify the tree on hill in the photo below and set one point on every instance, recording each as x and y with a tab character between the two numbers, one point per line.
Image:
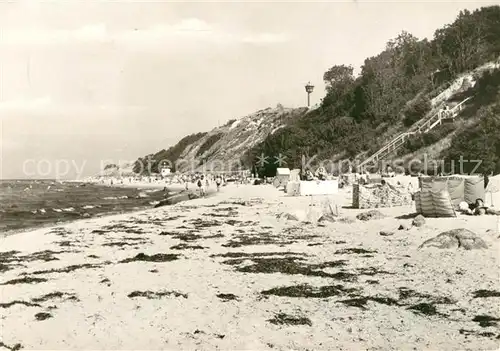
378	98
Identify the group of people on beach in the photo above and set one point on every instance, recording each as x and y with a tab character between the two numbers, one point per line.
203	182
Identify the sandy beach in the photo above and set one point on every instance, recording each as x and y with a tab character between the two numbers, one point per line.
228	272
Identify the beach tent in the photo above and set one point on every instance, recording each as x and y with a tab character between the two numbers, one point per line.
282	177
434	201
295	175
311	188
460	188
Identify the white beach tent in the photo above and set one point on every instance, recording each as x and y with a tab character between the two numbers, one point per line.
311	188
282	177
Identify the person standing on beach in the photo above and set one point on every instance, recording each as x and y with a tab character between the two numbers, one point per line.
218	182
200	186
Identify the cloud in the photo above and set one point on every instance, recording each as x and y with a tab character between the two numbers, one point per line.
190	29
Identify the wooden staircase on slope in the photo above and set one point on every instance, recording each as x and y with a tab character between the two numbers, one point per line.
424	125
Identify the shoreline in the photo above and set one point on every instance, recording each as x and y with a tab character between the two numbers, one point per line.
141	186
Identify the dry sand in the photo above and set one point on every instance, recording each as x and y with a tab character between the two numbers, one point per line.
243	279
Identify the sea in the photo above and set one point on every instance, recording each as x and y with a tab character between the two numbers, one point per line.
29	204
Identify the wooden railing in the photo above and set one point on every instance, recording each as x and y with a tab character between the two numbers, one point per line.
422	126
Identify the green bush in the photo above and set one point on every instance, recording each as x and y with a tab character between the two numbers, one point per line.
416	111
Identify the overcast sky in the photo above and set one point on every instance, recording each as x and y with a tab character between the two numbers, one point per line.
85	81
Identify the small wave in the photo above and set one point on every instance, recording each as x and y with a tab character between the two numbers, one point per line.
69	209
115	197
56	210
88	207
154	203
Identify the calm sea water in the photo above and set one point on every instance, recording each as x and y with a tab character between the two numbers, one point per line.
26	204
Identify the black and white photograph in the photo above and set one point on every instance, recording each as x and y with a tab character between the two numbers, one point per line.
249	175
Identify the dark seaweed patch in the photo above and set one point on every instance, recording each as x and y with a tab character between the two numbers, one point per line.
285	319
483	334
153	258
190	236
354	250
214	236
68	269
42	316
257	239
55	295
486	321
361	302
257	254
371	271
200	223
424	308
16	347
486	293
227	297
25	280
156	295
184	246
126	242
290	265
406	294
18	302
308	291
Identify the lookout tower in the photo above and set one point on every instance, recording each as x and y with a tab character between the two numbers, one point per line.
309	90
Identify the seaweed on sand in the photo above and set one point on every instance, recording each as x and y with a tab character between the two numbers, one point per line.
257	254
46	256
156	295
153	258
354	250
41	316
486	293
16	347
486	321
184	246
361	301
483	334
425	308
288	236
18	302
68	269
308	291
233	222
25	280
408	294
55	295
189	236
290	265
227	297
200	223
286	319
